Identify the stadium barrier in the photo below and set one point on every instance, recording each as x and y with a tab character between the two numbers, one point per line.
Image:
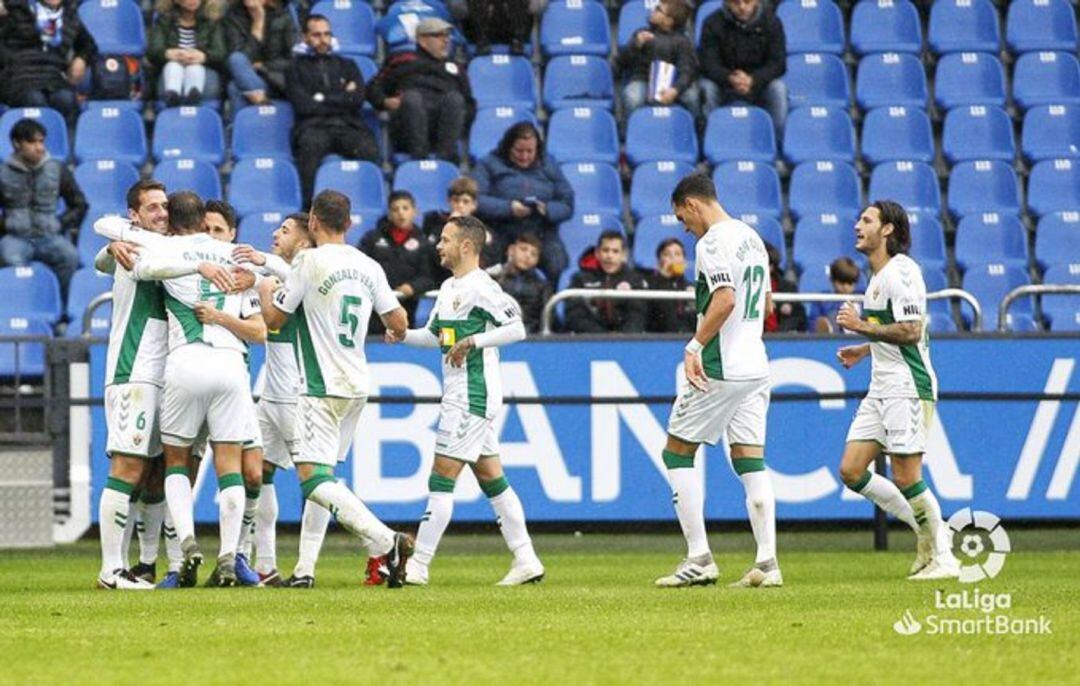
1028	291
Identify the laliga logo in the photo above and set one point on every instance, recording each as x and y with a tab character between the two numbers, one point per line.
983	544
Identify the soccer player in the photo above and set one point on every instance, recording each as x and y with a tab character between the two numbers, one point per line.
471	318
896	413
727	372
331	292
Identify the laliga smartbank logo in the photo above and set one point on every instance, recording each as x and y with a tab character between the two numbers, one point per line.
983	544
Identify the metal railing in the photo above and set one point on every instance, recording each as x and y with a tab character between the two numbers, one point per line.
1025	291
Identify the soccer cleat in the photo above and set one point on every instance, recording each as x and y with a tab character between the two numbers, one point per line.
146	572
271	579
299	582
376	571
171	580
244	573
416	574
690	573
531	572
756	578
924	552
941	567
397	559
189	568
123	580
224	574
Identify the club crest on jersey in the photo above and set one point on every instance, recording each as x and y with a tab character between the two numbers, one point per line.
456	302
447	337
876	293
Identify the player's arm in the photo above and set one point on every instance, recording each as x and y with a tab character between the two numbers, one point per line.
508	329
277	301
268	263
721	304
251	329
390	311
851	355
907	326
104	262
159	267
426	336
117	228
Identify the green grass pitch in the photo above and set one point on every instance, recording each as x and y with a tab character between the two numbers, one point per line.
594	619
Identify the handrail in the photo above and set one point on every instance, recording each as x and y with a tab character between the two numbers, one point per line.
88	315
1034	289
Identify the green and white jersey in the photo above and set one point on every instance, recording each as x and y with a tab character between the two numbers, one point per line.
732	255
138	336
897	293
331	292
470	305
281	380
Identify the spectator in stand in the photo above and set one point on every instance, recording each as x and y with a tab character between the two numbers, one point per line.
426	93
500	21
45	51
743	54
784	317
612	271
188	46
522	281
31	184
326	92
260	35
462	196
664	40
844	275
670	316
522	190
399	245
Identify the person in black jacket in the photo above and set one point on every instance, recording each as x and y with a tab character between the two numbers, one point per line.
326	92
461	195
403	251
742	55
664	41
260	35
670	316
522	281
426	93
612	272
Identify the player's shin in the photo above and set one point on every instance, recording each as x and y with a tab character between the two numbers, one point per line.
928	518
179	497
350	512
114	510
510	516
172	544
152	517
230	511
247	529
884	493
440	508
266	526
689	500
313	527
760	504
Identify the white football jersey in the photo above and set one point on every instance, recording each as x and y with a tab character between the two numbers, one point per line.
138	338
281	380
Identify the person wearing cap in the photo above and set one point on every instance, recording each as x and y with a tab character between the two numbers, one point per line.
426	93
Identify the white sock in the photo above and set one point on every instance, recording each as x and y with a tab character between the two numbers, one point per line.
312	532
230	518
888	497
129	533
247	530
114	510
440	508
172	544
352	514
266	530
689	501
928	518
510	516
152	517
181	504
761	508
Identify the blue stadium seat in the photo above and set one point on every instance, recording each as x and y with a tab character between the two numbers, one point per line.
661	133
258	229
24	360
978	132
652	184
353	23
575	27
969	78
99	322
578	81
651	230
989	283
583	134
748	188
912	184
990	238
1054	186
739	133
937	322
983	186
192	175
633	16
597	188
1046	78
770	231
704	11
116	25
190	132
812	26
86	284
964	25
89	243
935	280
1057	239
891	78
580	232
1062	311
1040	25
490	124
366	65
263	131
817	78
1051	131
361	181
56	134
110	133
821	238
502	81
264	184
824	187
897	133
31	291
105	183
427	180
927	240
819	133
885	26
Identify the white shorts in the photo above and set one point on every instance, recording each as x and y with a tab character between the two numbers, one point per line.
206	384
464	436
326	427
277	424
252	428
900	425
131	415
737	408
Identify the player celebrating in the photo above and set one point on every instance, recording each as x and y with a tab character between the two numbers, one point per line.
471	318
331	292
896	413
727	372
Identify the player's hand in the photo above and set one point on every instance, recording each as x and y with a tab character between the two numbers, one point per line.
243	279
392	337
246	253
848	318
851	355
695	371
124	254
268	286
456	355
205	313
217	275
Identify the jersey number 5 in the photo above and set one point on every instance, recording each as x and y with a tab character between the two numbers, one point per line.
349	320
207	291
753	279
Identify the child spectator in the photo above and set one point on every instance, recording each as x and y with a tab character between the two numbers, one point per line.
844	275
522	281
399	245
670	316
462	195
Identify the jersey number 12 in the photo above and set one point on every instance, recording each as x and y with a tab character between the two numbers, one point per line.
753	279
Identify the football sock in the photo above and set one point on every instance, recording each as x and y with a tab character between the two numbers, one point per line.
172	544
928	517
313	527
149	528
689	501
510	516
440	508
247	530
266	529
114	508
350	512
760	504
230	511
181	501
129	532
884	493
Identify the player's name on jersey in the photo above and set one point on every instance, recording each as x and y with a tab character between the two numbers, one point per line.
200	256
747	246
347	274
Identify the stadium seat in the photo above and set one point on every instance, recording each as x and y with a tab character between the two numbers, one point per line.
88	242
502	81
934	279
110	133
597	188
258	229
891	79
983	186
263	131
190	132
366	65
812	26
353	24
969	78
578	81
978	132
24	359
575	27
739	133
964	25
192	175
1054	186
264	184
105	183
885	26
1051	131
897	133
912	184
580	232
651	230
989	283
490	124
661	133
819	133
824	187
1062	311
583	134
817	79
652	184
32	291
86	284
938	322
821	238
116	25
56	136
1040	25
427	180
770	231
927	240
633	16
1057	239
990	238
704	11
748	188
362	182
1046	78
